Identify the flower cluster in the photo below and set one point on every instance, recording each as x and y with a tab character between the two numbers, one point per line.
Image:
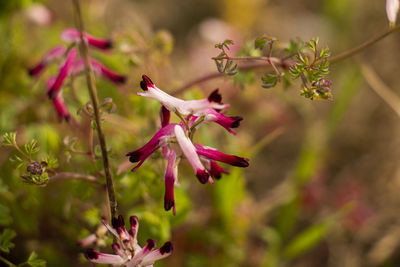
72	66
176	139
127	250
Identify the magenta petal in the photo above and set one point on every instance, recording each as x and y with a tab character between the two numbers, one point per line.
144	152
63	73
216	170
72	35
54	54
214	154
169	201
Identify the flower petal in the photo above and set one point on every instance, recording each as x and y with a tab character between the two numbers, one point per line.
150	147
63	73
158	254
54	54
189	151
214	154
103	258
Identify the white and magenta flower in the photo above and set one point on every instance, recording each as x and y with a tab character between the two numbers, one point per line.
63	73
392	8
190	107
73	36
127	250
99	70
175	139
51	56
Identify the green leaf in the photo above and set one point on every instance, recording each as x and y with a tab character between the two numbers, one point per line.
9	139
5	240
260	42
306	240
34	261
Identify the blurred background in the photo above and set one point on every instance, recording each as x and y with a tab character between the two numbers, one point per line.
323	184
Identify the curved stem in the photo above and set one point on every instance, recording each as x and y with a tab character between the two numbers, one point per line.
7	262
93	95
332	60
359	48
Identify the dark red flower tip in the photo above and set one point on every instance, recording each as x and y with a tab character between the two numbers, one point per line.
133	220
168	203
203	176
118	222
109	44
166	248
90	254
236	122
134	156
118	79
34	71
215	97
240	162
151	244
101	44
67	118
146	82
51	94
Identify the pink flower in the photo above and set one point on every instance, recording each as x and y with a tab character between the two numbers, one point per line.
51	56
99	70
392	8
212	115
213	154
63	73
171	176
72	35
58	103
189	151
127	250
190	107
175	139
160	139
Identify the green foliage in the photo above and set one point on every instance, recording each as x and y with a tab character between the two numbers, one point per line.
270	80
34	261
5	240
9	139
312	69
31	147
224	44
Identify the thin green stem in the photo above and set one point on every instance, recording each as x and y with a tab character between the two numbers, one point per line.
95	101
7	262
361	47
22	152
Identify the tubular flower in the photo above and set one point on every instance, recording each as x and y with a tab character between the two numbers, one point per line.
392	8
175	139
212	115
160	139
72	35
63	73
127	250
99	70
191	107
51	56
214	154
58	103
